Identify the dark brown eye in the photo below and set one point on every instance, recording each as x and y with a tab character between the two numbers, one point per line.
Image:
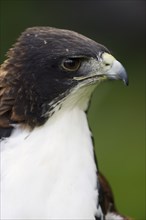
71	64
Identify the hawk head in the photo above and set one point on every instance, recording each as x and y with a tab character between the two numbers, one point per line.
49	69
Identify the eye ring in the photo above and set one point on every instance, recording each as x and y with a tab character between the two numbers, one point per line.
71	64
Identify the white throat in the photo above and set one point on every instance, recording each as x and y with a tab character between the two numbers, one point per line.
50	173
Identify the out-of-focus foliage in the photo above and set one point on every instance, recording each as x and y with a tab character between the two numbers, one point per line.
117	113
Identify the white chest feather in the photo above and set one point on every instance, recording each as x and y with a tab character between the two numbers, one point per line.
50	172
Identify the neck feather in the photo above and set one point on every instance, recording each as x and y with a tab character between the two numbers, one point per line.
59	156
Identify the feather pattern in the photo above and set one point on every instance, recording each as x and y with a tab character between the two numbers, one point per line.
48	168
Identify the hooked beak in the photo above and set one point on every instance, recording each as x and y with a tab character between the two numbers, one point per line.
107	67
115	70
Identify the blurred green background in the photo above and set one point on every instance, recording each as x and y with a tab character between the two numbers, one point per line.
117	113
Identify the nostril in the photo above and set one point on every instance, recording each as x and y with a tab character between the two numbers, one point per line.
107	59
107	64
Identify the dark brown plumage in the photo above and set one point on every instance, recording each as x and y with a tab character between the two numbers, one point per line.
106	197
32	65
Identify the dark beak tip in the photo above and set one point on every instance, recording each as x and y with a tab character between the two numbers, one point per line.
126	82
124	77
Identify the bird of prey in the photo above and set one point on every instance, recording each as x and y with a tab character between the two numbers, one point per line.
48	166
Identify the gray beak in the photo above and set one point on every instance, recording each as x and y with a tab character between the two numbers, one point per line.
113	69
107	67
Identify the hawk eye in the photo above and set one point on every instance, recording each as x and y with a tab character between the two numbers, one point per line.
71	64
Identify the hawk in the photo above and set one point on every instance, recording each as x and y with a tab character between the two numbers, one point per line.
48	166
